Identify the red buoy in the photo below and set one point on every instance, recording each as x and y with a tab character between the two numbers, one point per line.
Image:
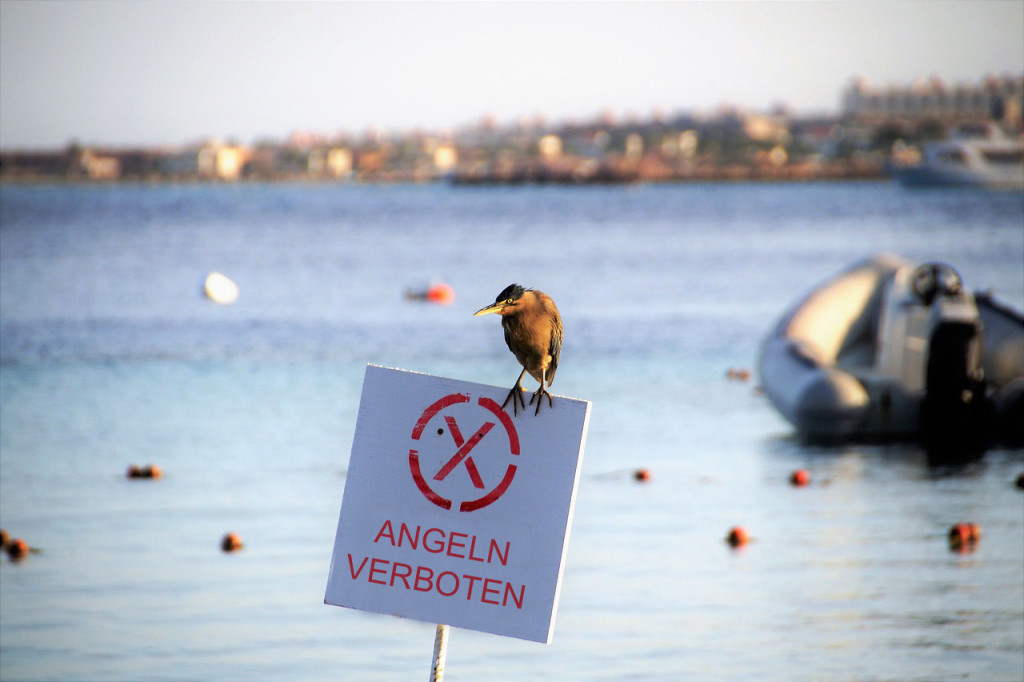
737	536
17	549
800	478
964	537
441	293
642	475
148	471
231	542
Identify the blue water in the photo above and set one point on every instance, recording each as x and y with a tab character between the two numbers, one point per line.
110	356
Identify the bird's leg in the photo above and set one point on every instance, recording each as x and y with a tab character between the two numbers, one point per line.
540	393
516	396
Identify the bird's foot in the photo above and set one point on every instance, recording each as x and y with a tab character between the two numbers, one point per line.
539	397
516	396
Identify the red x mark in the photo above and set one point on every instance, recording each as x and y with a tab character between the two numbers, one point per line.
463	450
462	453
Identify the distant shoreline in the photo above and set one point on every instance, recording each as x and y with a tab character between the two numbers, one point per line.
752	178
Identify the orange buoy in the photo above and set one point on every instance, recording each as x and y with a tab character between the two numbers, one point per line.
964	537
148	471
17	549
642	475
737	536
231	543
800	478
738	374
441	293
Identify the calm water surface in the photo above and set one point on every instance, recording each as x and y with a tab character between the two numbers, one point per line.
110	356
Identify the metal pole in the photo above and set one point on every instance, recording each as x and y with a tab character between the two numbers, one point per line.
440	653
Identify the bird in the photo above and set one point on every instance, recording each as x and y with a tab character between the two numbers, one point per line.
533	332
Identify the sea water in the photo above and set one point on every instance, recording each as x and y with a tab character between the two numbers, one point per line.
111	356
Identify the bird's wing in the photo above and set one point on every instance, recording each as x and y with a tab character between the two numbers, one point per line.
555	348
508	337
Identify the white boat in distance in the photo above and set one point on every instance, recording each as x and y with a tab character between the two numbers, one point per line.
972	157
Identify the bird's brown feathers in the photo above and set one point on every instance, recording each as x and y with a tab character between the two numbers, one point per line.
533	332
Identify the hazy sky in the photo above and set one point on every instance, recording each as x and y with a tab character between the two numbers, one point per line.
141	72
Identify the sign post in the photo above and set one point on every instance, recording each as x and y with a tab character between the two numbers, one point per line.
455	511
440	653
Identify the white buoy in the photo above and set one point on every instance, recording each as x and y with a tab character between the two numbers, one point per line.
220	289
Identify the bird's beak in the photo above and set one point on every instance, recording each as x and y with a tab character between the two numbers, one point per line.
493	308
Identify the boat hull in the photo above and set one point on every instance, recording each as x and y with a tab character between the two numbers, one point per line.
926	176
870	355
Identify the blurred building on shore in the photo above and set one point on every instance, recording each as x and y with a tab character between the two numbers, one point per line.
1000	99
731	143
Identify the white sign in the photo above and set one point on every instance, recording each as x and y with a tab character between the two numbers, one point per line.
455	511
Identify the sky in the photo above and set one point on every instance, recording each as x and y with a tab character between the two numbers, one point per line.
157	72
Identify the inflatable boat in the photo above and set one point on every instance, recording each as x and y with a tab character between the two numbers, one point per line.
890	350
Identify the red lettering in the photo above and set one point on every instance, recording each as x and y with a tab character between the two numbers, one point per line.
447	583
487	590
403	532
390	534
352	568
404	576
452	543
374	569
439	547
495	549
439	541
454	589
472	546
472	581
509	592
420	578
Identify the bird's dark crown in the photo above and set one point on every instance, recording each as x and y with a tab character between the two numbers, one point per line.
512	292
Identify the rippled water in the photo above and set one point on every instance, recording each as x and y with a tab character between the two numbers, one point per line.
110	356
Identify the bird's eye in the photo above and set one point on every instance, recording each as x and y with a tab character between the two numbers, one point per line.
509	302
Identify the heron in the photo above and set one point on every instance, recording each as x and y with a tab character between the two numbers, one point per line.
533	332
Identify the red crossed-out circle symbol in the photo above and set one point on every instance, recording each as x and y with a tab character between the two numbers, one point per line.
462	455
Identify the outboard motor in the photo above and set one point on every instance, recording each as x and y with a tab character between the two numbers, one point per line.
939	357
